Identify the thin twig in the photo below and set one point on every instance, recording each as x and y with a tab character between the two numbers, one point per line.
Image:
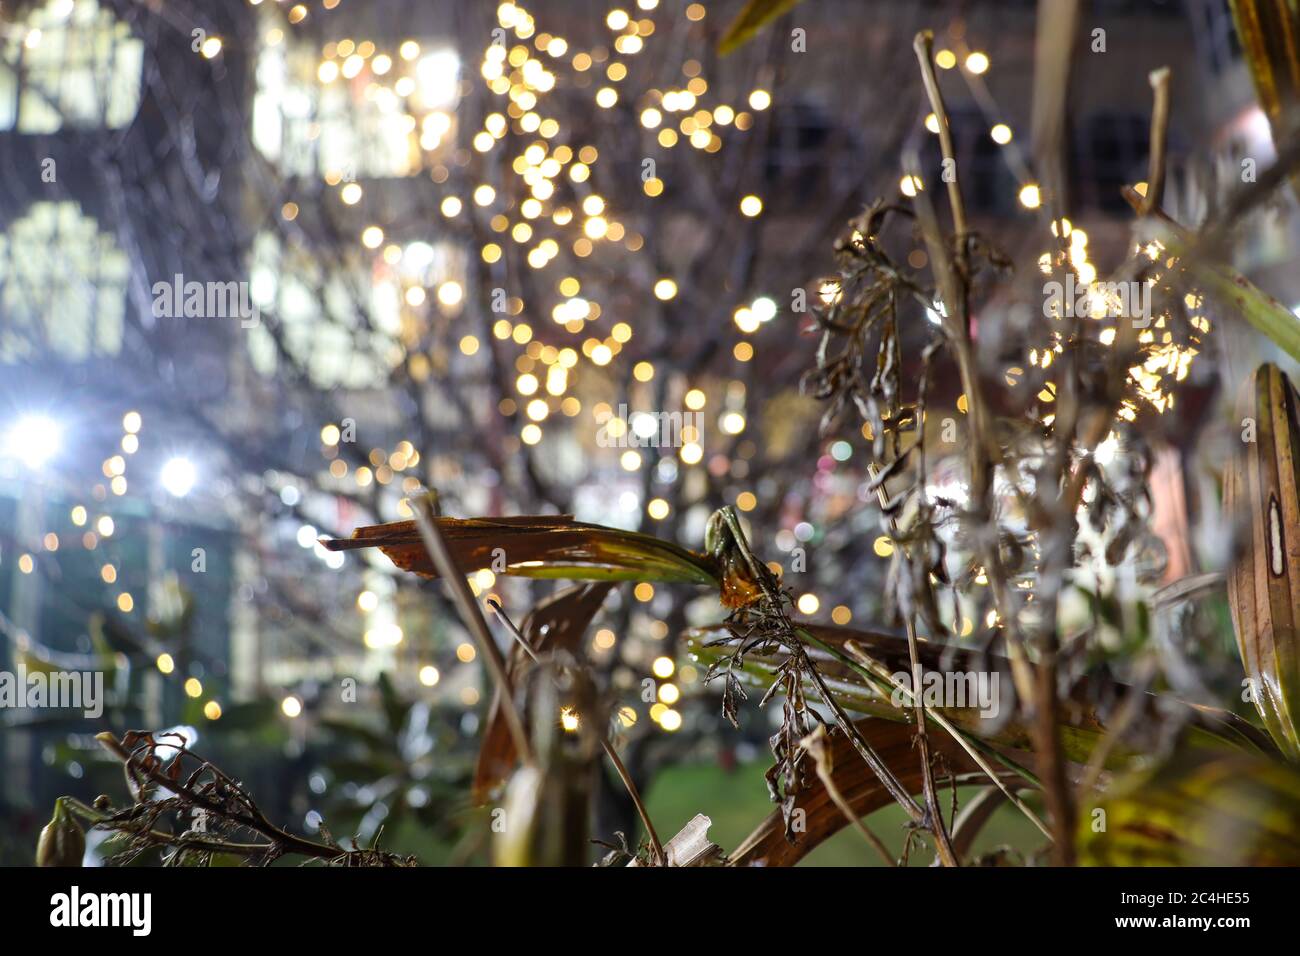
937	826
953	279
815	744
138	767
882	673
500	612
796	647
1159	136
473	618
923	44
661	858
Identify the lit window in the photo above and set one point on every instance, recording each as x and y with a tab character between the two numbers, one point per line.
369	125
68	64
345	326
64	286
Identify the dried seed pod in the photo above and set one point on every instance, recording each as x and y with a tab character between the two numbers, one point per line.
1260	492
62	842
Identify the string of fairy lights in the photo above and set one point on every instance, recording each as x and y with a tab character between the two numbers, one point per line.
559	205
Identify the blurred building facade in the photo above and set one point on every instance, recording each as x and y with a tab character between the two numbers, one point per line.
77	101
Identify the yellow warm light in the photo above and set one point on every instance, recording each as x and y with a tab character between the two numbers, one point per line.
450	293
746	320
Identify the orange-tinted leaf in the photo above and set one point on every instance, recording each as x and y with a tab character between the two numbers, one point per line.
860	787
538	546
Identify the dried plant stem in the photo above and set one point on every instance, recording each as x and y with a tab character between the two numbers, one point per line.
500	612
975	813
932	807
1057	536
923	44
795	645
865	751
1051	762
95	817
952	278
881	672
610	752
1159	136
1056	28
279	841
815	744
1059	528
473	618
661	858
